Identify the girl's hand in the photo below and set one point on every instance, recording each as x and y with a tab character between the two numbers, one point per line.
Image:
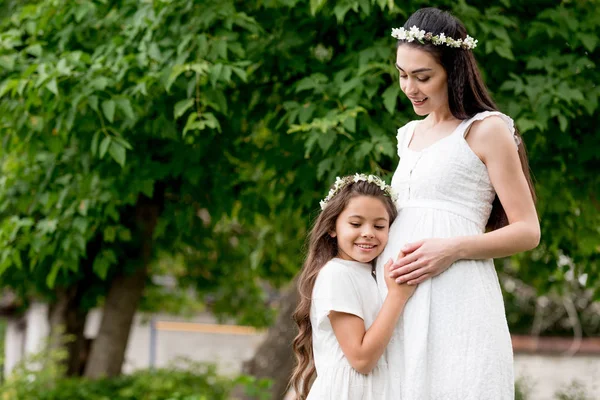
402	290
423	260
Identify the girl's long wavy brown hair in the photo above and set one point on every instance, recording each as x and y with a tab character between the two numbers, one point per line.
321	249
467	93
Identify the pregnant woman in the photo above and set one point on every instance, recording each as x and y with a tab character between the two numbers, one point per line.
465	197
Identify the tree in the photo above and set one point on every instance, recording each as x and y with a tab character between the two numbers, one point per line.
84	214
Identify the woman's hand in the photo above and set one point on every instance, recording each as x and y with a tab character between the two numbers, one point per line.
423	260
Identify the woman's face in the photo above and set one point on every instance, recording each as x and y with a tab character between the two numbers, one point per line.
422	79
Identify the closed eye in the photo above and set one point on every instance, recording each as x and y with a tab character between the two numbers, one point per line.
354	224
379	227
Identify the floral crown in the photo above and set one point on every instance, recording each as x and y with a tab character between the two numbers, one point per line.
467	43
340	183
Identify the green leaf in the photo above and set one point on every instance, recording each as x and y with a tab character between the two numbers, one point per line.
316	5
104	145
589	41
51	278
241	73
504	52
81	224
176	70
349	85
326	140
93	102
118	152
103	262
123	142
324	166
125	106
525	124
390	97
110	233
35	50
182	106
363	150
8	62
99	83
562	120
108	107
51	86
215	73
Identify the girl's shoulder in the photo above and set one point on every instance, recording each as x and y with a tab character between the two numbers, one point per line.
338	279
339	272
334	267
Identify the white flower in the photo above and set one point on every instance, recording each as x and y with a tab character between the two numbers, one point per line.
399	33
340	183
470	43
417	33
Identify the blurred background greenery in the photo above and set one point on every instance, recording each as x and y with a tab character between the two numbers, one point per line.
194	139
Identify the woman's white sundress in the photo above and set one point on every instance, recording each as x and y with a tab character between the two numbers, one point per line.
452	342
349	287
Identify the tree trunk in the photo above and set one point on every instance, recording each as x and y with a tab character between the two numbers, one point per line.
67	323
108	350
274	358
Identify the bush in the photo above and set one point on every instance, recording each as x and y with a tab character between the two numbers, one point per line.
576	391
40	378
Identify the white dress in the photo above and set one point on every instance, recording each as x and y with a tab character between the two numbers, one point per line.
349	287
452	342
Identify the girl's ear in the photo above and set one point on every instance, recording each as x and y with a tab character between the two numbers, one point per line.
333	234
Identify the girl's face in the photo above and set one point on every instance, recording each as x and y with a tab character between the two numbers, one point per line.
422	79
362	229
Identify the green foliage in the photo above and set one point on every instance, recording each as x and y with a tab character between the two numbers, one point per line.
575	391
522	390
40	377
239	115
116	102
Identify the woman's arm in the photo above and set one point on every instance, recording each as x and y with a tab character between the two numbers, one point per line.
363	348
493	143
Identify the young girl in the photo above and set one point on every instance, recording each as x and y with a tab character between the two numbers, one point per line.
343	327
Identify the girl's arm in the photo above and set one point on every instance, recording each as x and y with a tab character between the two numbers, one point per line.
493	143
363	348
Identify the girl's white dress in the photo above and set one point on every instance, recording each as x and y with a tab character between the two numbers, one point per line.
452	341
349	287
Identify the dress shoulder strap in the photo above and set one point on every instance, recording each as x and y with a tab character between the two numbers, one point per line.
466	125
404	135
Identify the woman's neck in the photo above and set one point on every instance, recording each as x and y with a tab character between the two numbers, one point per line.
440	116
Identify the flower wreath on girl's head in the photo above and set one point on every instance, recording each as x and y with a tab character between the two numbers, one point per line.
421	36
342	182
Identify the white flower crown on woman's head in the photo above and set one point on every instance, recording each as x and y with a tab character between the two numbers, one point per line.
342	182
415	33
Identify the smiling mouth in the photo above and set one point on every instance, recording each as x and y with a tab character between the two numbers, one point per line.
366	246
419	101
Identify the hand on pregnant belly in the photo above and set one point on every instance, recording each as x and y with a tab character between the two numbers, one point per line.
423	260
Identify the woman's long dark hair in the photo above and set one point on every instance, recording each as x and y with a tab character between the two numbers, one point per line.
321	249
467	94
